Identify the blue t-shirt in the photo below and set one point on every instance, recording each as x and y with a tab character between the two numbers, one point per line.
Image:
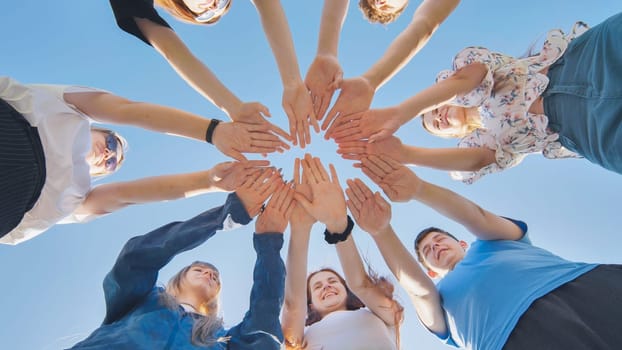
489	290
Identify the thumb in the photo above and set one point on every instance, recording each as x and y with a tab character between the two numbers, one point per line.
380	135
300	198
236	155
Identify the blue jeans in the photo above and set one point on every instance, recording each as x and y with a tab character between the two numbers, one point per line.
583	100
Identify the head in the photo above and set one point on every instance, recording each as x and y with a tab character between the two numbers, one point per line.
327	291
439	251
197	284
107	151
196	11
451	121
382	11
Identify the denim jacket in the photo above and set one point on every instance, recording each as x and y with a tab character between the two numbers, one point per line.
135	317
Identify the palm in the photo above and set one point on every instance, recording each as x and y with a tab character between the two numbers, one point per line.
299	214
355	96
323	78
373	217
299	109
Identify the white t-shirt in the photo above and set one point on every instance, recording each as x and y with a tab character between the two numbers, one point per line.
350	330
66	139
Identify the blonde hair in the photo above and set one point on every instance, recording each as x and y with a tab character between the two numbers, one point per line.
473	122
374	15
179	10
122	142
205	328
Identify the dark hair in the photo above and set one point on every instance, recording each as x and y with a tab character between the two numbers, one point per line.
374	15
423	234
354	303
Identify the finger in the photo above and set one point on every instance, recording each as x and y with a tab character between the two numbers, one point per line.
380	135
334	178
252	177
389	191
319	110
271	185
292	123
300	129
375	178
236	155
356	192
313	122
308	168
352	156
332	114
383	163
319	169
384	205
356	202
255	163
364	188
302	200
264	110
287	199
336	83
356	213
354	133
375	169
276	197
297	172
281	132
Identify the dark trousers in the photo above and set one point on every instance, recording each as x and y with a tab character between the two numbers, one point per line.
22	167
583	314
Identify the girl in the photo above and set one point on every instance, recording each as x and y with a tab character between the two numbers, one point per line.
49	154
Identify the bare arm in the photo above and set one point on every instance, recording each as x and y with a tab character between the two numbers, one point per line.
359	282
401	184
333	16
427	18
462	82
226	176
452	159
190	68
296	100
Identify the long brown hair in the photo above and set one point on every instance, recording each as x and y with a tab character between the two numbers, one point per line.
205	328
354	303
179	10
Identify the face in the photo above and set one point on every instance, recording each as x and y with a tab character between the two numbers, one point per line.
387	6
206	10
328	294
441	252
202	281
445	120
106	151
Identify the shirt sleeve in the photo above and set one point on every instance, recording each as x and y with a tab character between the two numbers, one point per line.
135	272
504	155
126	10
261	328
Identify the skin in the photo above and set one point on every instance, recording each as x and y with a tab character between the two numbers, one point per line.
99	153
445	120
388	6
200	6
328	294
199	286
441	253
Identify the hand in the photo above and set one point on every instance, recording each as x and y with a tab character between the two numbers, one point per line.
299	109
355	150
374	125
257	188
371	212
255	113
398	182
228	176
355	96
233	138
328	204
274	217
299	215
323	78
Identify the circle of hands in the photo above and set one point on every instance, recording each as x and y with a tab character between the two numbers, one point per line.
315	194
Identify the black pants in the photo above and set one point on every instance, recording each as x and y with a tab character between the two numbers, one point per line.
583	314
22	167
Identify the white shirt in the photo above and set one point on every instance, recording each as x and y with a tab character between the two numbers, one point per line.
350	330
66	139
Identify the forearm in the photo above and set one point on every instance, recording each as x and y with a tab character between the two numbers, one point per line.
295	307
279	37
451	159
352	265
333	16
427	18
111	197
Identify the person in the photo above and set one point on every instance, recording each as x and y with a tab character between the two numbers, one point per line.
505	108
324	76
327	311
184	315
50	152
501	293
140	19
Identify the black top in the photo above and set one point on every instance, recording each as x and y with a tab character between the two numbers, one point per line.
126	10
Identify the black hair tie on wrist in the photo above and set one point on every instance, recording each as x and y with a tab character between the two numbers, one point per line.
334	238
209	133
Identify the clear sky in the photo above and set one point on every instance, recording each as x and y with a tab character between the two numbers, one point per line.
51	286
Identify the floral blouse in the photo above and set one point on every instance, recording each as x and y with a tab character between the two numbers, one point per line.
503	99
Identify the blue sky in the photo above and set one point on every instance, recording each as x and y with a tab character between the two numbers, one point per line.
51	286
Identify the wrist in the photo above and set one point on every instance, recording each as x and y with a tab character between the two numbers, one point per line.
232	107
372	80
332	237
211	129
403	114
337	226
